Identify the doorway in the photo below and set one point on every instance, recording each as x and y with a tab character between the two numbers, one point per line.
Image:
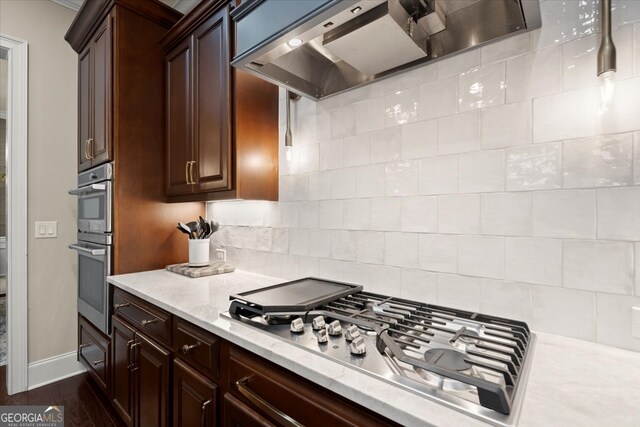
15	154
4	88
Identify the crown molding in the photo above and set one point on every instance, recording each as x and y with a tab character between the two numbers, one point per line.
70	4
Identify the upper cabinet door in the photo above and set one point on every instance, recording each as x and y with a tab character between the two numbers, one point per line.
101	147
212	103
84	101
180	171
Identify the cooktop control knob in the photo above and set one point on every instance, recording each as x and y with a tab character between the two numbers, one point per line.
351	333
297	326
358	346
322	336
334	328
318	323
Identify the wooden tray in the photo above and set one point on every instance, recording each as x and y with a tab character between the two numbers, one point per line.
210	270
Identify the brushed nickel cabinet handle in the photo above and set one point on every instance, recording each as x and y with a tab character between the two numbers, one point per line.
186	172
265	406
97	362
132	366
193	163
119	306
187	348
92	154
86	150
81	346
148	322
204	411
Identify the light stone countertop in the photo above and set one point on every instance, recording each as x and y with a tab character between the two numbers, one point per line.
571	383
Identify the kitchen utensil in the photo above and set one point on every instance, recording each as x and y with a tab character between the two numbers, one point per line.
214	226
193	226
185	229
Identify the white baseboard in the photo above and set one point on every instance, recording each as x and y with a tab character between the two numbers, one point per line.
56	368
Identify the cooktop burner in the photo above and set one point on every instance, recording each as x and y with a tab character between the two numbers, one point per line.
473	362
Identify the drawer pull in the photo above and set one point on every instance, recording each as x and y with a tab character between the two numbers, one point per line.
187	348
83	346
132	366
118	306
265	406
97	362
204	411
148	322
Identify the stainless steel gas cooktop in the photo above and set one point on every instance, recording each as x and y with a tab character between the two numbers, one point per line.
472	362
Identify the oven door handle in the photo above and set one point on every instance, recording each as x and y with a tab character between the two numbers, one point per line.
94	252
93	188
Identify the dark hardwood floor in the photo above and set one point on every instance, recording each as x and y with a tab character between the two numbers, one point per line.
83	402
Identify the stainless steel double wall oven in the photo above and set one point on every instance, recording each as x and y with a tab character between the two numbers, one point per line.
94	246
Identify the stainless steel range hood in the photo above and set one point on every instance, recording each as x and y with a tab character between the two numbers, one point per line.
319	48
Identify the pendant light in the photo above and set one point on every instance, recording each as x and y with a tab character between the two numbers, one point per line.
606	58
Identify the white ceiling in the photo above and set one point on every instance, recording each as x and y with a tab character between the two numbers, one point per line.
183	6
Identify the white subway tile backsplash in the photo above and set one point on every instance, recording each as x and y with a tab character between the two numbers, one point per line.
439	98
459	214
533	75
356	150
370	247
401	107
308	214
508	48
567	312
401	249
598	162
458	64
320	243
438	175
459	133
506	125
401	178
598	266
299	241
386	145
618	213
420	140
481	87
614	321
481	256
481	172
567	213
343	122
534	260
438	252
459	291
419	214
493	180
534	167
552	122
419	285
506	299
370	181
507	214
370	115
343	183
331	214
357	214
386	213
343	245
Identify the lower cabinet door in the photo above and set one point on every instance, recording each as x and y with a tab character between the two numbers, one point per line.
151	383
194	397
122	338
237	414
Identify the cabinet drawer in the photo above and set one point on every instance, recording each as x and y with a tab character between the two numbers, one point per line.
94	352
278	394
154	322
199	348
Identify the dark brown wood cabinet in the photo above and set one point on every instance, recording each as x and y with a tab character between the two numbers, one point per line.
122	338
237	414
94	351
94	98
151	393
194	397
220	144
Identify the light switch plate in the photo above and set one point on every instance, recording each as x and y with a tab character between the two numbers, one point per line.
635	322
46	229
221	255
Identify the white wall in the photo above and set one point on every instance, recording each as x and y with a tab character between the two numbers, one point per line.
487	181
52	170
